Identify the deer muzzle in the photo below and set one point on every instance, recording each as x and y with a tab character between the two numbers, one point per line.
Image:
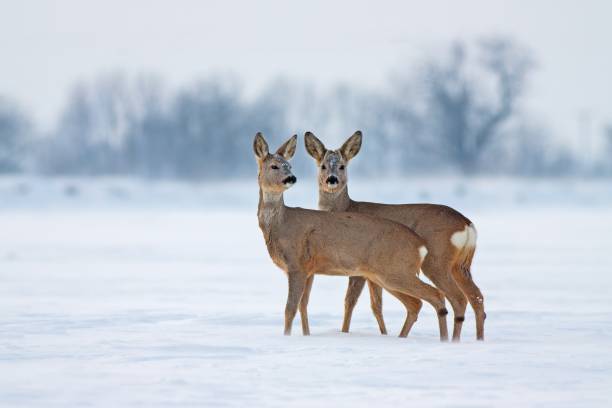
289	180
332	180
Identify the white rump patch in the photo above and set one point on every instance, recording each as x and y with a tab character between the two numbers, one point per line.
460	238
423	252
465	238
473	236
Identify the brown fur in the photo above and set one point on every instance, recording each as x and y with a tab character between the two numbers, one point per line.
448	267
308	242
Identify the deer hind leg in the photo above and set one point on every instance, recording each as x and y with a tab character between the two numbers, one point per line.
304	306
419	289
413	306
376	304
438	271
353	291
459	303
463	277
297	284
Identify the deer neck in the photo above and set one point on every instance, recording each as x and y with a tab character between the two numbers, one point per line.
336	201
270	211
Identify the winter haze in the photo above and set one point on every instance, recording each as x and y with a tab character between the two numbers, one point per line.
133	271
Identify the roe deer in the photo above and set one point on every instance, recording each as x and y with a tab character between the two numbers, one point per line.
307	242
450	237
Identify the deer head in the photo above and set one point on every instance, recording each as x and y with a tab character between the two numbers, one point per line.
332	164
274	169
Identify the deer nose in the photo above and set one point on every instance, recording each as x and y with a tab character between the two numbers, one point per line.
289	180
332	180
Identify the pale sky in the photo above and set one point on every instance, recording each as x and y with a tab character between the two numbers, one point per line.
46	46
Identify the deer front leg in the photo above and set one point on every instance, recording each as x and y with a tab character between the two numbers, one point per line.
376	304
297	284
355	286
304	306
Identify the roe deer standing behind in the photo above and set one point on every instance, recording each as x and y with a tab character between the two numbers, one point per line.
307	242
450	237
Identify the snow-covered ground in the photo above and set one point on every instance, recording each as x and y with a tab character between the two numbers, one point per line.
115	293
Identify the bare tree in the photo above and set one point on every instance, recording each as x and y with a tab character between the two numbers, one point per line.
15	129
94	127
470	101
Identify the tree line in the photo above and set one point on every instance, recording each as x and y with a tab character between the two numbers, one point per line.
461	111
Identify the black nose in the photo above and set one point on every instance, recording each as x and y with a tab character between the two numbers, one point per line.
332	180
289	180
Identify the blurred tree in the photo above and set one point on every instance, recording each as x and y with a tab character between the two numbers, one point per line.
466	101
205	119
351	109
205	132
466	117
118	126
527	148
607	162
93	127
15	133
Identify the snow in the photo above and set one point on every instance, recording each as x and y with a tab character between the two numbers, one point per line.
108	301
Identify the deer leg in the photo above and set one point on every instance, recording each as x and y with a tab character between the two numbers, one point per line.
419	289
474	296
413	306
459	304
441	277
353	291
297	283
376	304
304	306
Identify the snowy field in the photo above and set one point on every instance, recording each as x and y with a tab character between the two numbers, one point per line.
115	293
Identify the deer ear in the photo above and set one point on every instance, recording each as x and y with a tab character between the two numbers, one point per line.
314	146
260	147
351	147
287	150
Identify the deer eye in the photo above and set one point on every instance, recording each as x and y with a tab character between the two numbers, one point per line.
323	167
342	167
274	167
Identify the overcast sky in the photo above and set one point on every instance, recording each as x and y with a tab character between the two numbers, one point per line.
45	46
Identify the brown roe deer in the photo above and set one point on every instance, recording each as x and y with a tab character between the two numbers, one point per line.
307	242
450	237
